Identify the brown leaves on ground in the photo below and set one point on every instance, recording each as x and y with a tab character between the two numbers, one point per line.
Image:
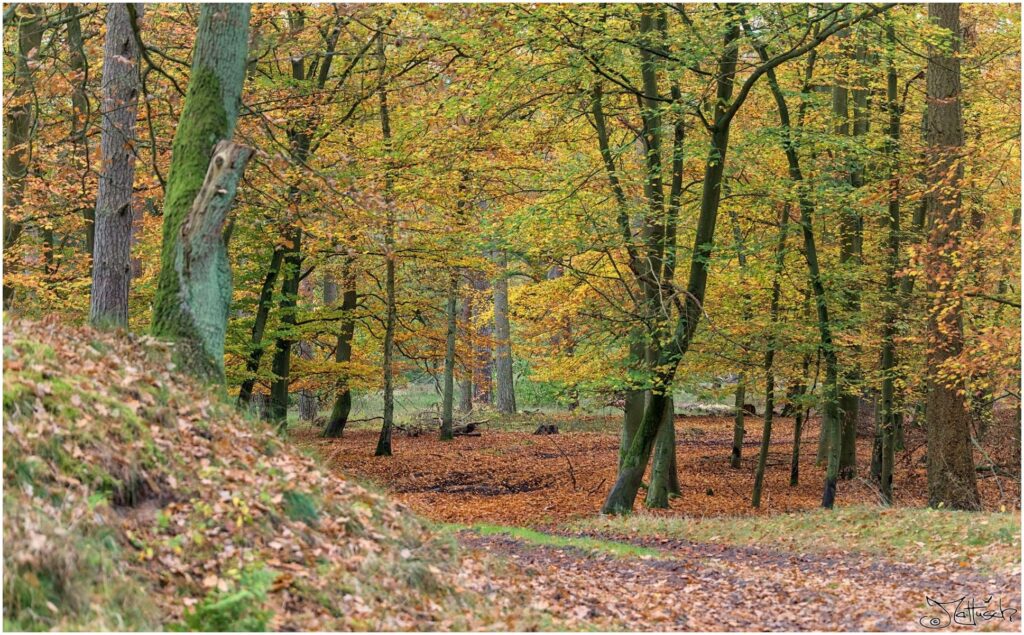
518	478
102	440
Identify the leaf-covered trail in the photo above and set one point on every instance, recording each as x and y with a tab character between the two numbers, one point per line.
707	587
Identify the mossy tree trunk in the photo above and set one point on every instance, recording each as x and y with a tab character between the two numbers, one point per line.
201	262
663	465
111	258
951	476
207	118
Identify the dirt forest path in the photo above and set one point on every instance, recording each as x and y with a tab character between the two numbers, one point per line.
706	587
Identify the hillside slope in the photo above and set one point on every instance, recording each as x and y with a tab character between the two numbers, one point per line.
136	499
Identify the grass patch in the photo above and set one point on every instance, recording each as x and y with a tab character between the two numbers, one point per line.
989	541
617	549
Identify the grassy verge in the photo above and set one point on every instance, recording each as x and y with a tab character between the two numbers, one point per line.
593	545
989	541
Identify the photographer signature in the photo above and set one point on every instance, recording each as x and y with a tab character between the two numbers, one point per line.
965	612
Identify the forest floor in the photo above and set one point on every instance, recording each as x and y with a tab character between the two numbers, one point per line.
137	499
532	501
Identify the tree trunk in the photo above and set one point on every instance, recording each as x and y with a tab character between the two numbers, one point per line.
201	262
506	394
448	399
308	406
259	326
79	63
738	429
343	353
483	365
208	116
633	406
769	357
19	114
951	476
887	416
111	258
281	364
384	441
798	424
851	231
663	466
623	493
466	385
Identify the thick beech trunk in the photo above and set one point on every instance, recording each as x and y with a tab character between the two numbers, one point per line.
951	477
201	262
208	116
111	257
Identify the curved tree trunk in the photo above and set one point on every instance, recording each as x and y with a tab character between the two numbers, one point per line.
111	258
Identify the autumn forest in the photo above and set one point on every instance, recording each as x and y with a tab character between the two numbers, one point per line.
510	316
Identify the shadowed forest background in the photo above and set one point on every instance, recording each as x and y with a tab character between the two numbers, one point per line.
529	269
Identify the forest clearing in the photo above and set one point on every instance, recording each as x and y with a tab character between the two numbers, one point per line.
509	316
